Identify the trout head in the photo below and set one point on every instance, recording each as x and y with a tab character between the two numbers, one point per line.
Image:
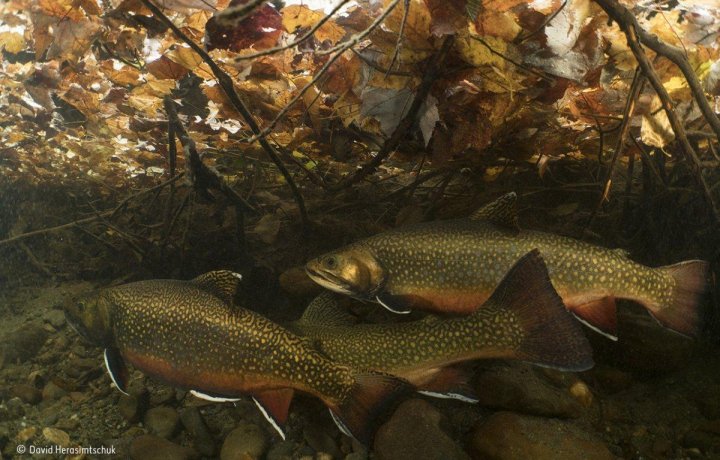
354	271
89	315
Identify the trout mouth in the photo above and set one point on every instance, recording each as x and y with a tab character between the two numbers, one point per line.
330	281
77	326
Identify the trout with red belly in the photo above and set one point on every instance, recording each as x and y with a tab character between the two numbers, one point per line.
189	335
453	266
524	319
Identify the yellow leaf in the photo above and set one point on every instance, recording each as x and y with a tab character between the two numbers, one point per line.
12	42
474	52
300	16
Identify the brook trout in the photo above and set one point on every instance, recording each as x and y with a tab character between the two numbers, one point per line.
189	335
524	319
452	266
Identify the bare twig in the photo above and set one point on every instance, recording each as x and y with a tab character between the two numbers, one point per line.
228	87
635	89
511	61
300	40
111	213
406	124
336	52
398	44
629	25
523	38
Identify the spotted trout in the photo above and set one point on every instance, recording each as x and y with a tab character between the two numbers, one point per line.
524	319
188	334
452	266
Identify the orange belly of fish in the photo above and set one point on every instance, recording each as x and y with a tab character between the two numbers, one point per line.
447	301
235	383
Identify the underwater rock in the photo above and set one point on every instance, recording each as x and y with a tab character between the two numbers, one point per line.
519	388
194	423
611	379
509	436
162	421
23	343
29	394
282	450
644	347
414	432
56	436
132	407
707	443
707	401
318	439
150	447
56	318
247	440
51	392
15	408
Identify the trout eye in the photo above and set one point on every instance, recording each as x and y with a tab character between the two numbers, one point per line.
331	262
81	306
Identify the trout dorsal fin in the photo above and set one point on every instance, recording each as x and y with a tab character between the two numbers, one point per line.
502	212
326	310
220	283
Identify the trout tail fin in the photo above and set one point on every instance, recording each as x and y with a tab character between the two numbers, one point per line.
372	396
552	336
681	312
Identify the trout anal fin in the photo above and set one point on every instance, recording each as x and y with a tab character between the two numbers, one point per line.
341	426
275	405
393	303
117	369
449	383
212	397
600	315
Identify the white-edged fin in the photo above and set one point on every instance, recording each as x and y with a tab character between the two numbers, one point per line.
456	396
272	421
212	398
341	426
394	310
598	330
112	367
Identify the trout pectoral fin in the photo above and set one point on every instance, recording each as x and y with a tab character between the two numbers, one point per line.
275	405
117	369
395	304
599	315
212	397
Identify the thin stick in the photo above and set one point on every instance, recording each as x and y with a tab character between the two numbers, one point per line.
86	220
398	44
300	40
635	89
228	87
407	123
631	28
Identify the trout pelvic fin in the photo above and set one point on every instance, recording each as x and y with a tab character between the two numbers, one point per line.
395	304
372	396
501	212
600	315
220	283
682	311
117	369
552	337
212	397
275	405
